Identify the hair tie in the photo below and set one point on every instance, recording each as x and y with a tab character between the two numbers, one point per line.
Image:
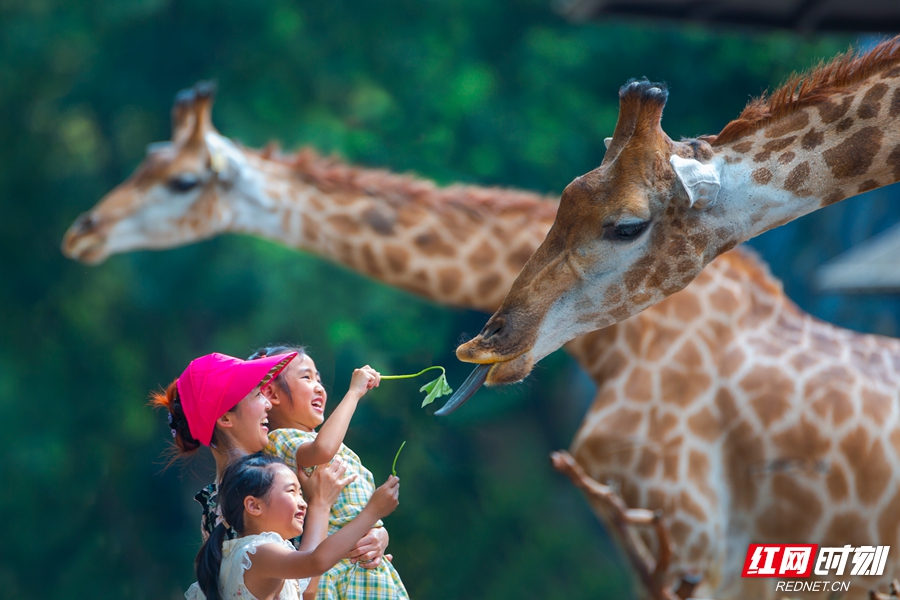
175	424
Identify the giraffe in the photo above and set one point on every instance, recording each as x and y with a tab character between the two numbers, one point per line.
201	184
821	467
460	245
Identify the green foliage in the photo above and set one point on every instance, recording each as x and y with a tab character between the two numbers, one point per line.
498	93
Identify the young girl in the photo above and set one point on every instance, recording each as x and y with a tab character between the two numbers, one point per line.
298	406
260	499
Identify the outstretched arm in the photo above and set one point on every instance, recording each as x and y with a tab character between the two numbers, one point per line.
331	435
369	551
274	561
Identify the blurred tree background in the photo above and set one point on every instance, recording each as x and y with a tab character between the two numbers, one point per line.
498	93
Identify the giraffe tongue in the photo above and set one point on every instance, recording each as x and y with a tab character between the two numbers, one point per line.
466	390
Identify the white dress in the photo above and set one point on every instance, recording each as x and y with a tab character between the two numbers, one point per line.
236	559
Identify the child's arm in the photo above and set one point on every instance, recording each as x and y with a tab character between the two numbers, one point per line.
273	561
320	490
331	435
370	549
311	589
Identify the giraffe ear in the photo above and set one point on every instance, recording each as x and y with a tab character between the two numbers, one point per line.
700	181
607	142
224	159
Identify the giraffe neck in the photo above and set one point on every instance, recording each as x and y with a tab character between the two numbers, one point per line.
812	157
459	245
723	299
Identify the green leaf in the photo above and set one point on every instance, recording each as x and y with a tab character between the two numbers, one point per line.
435	389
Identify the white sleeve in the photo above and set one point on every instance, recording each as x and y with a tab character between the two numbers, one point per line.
194	593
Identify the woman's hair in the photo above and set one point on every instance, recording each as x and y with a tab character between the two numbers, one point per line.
280	349
184	443
250	475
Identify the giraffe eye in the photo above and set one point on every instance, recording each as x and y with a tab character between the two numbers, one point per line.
625	231
183	182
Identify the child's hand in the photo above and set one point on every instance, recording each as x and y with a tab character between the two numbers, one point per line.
325	484
363	380
386	498
370	549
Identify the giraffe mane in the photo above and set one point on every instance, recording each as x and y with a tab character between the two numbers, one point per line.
804	89
333	175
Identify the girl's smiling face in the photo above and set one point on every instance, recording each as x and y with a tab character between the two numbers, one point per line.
298	397
283	510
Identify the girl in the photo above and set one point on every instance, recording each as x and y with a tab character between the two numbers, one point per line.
298	405
260	499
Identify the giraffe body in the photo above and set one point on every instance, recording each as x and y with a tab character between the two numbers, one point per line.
684	389
746	420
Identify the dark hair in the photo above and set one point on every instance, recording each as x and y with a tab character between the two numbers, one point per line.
249	475
274	350
184	443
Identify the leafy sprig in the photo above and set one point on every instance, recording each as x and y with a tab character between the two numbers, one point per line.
433	389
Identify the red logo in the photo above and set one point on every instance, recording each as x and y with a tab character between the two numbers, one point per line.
779	560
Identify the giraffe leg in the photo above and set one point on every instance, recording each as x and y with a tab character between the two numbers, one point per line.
689	583
651	573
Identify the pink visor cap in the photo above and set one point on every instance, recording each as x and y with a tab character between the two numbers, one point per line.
214	384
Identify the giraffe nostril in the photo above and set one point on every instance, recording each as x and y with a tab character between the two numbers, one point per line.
491	329
84	223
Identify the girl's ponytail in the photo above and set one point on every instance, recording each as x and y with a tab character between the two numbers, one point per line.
209	562
184	442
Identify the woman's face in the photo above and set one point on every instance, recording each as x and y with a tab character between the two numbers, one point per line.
303	406
249	422
283	510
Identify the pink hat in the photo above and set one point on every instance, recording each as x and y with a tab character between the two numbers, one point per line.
214	384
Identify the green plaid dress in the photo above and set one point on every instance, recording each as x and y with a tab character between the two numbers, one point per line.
346	580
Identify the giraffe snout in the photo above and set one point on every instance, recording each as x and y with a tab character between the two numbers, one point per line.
84	241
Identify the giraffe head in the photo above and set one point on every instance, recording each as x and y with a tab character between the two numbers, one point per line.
636	229
173	196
